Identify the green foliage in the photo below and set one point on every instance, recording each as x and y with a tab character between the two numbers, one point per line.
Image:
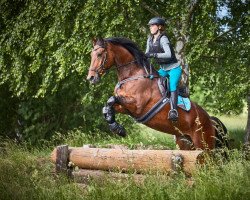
44	60
221	65
8	107
45	54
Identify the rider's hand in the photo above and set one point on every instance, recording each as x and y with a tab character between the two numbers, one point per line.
151	55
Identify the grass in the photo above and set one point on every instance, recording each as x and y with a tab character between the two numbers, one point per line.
234	122
236	127
141	137
229	181
24	174
27	173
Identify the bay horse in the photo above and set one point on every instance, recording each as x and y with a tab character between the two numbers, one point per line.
137	92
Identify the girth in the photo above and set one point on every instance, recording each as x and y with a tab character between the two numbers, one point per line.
153	111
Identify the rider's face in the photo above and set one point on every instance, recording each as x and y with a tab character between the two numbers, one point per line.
153	28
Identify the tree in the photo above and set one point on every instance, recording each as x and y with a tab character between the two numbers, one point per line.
45	47
230	57
44	58
215	47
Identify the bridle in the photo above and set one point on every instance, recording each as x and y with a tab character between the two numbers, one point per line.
101	69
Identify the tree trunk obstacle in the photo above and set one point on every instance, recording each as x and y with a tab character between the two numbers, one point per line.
99	162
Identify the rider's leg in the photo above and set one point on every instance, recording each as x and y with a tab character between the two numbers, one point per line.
163	73
174	77
173	114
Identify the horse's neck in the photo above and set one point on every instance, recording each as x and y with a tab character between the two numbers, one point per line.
147	87
129	71
124	69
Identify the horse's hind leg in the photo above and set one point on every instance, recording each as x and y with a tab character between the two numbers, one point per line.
221	133
109	114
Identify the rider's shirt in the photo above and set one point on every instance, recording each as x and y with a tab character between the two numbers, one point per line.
165	53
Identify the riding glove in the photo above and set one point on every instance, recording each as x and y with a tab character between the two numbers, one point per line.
151	55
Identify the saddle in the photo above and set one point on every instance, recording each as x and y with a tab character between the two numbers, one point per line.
183	100
163	85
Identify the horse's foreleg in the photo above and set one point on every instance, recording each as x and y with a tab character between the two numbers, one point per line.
119	109
109	114
184	142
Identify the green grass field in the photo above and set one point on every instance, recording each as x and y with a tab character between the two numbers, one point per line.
236	128
27	173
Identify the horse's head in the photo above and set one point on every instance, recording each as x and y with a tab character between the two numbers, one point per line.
101	60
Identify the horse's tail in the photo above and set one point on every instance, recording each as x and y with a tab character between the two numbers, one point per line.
221	133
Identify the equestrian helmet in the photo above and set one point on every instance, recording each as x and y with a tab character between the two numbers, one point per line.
157	21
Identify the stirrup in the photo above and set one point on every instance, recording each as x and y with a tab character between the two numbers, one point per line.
173	115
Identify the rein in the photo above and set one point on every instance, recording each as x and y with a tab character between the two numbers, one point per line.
147	75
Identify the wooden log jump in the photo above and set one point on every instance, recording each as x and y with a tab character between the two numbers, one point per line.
125	160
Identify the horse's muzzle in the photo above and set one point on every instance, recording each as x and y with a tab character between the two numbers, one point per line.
93	79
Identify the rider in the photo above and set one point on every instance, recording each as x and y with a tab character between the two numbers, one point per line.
160	48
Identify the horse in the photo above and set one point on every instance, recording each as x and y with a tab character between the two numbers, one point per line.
137	92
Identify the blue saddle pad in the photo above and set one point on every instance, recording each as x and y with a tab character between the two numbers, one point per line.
184	103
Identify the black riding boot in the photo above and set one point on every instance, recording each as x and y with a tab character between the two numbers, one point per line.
173	114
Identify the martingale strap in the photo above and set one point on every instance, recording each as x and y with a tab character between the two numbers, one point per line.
153	111
132	78
119	84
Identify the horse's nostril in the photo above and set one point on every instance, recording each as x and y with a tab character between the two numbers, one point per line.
93	78
90	78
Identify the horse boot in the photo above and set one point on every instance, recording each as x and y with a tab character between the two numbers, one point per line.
173	114
109	114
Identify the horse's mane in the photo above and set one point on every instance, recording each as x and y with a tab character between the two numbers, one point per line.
131	47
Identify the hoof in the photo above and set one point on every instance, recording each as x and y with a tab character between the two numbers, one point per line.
117	129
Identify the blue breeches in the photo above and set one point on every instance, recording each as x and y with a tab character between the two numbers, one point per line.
174	76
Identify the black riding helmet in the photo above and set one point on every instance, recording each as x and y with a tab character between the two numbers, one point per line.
157	21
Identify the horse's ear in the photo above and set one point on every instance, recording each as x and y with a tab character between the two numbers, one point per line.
98	41
101	40
94	40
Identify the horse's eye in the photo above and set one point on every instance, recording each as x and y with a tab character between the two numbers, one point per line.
99	55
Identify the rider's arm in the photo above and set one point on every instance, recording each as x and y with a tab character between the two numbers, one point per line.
165	45
147	48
